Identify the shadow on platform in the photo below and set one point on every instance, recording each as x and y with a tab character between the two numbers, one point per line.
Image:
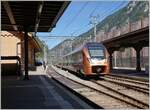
40	92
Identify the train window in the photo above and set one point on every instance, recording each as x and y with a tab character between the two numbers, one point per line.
73	58
77	57
96	52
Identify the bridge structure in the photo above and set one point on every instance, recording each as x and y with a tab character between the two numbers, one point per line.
134	35
136	39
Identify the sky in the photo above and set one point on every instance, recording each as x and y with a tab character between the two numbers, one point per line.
76	19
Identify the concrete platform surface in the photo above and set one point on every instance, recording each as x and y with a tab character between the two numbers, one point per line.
39	92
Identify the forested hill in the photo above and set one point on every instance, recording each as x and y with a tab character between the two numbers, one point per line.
133	11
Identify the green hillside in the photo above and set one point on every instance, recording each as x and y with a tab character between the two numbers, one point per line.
40	55
133	11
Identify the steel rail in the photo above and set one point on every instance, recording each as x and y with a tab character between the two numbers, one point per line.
139	88
138	102
140	84
139	105
136	88
129	79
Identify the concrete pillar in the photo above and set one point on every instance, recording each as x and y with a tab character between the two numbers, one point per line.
26	77
138	63
110	61
110	58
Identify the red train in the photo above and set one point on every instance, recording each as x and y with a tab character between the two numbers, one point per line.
89	59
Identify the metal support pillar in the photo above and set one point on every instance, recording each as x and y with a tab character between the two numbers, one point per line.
34	57
138	63
26	77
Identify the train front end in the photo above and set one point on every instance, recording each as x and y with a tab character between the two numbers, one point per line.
97	59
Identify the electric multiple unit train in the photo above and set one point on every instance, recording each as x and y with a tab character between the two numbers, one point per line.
89	59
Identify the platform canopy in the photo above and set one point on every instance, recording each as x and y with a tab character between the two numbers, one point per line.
138	38
37	16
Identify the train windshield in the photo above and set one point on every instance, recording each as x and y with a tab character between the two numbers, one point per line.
96	52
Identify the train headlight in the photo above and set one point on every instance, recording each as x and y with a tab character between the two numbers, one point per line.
105	61
97	61
94	60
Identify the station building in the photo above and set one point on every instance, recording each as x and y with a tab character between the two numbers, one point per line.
12	49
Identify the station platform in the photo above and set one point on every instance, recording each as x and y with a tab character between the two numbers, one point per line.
39	92
130	72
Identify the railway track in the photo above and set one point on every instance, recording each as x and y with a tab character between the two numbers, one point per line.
143	80
138	85
140	99
129	79
130	83
106	96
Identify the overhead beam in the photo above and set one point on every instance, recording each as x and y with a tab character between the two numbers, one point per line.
62	9
39	11
10	14
129	39
59	36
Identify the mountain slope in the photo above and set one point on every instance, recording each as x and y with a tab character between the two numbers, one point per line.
132	12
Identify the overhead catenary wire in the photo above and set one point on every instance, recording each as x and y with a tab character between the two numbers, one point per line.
59	37
75	16
91	14
85	26
81	28
102	15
